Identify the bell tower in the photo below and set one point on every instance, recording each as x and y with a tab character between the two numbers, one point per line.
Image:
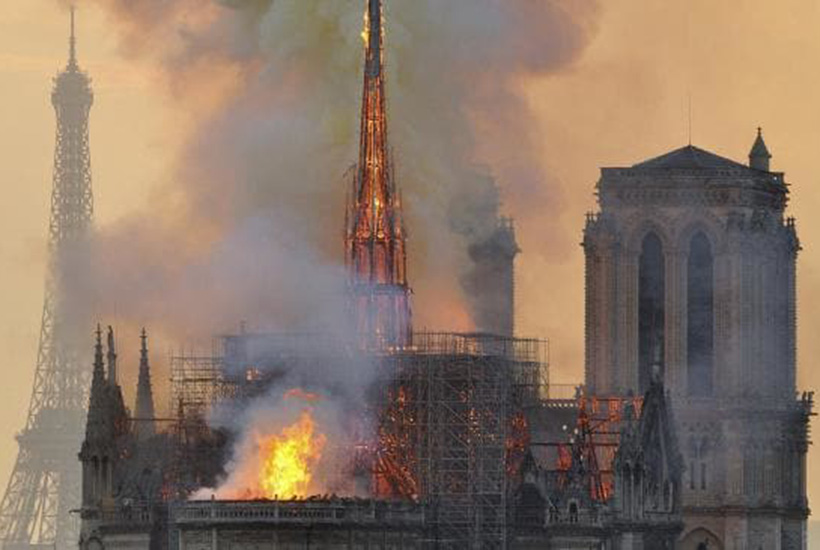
690	263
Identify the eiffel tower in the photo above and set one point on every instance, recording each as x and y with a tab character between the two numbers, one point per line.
44	486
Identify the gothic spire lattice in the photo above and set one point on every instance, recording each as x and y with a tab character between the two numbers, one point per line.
374	235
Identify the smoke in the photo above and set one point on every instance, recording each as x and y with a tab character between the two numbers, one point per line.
249	226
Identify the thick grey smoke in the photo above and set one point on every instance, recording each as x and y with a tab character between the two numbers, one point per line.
250	225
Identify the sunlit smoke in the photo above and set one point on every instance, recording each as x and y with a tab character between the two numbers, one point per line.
249	227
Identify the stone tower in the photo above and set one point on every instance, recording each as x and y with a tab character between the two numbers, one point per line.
690	263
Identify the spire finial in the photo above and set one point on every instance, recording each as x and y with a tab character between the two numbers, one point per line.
690	118
72	50
112	357
144	347
144	406
98	354
374	33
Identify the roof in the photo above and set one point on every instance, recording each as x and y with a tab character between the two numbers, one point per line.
690	157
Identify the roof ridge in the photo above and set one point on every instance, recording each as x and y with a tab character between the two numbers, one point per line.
690	157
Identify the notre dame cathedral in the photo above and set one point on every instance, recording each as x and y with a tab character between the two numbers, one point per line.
690	265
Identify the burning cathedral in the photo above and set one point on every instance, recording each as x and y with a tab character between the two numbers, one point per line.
687	433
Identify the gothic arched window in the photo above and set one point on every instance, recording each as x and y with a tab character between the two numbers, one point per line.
700	316
651	290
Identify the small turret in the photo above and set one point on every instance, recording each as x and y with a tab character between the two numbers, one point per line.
144	406
759	156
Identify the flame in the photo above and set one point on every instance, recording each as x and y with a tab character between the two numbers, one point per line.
288	459
366	29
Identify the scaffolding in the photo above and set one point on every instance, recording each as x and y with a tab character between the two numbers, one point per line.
197	383
591	431
451	413
448	428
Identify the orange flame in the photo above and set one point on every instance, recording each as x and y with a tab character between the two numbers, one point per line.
366	29
288	459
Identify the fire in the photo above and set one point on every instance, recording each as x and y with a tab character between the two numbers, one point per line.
366	29
288	459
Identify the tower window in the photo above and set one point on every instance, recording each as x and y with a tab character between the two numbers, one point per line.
692	475
700	316
703	476
651	287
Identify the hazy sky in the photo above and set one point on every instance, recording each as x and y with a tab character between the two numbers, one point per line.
743	63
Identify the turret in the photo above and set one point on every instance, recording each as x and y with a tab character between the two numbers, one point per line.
96	446
759	156
97	398
144	405
107	422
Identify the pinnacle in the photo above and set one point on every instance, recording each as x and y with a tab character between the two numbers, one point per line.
72	43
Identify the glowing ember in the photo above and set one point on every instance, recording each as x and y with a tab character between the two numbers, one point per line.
288	459
366	29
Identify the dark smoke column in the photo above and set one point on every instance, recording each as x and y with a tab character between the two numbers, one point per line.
374	233
491	280
45	483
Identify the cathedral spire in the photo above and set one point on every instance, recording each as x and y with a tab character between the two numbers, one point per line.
97	399
374	233
144	406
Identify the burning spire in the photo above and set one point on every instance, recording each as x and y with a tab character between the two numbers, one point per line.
144	409
374	234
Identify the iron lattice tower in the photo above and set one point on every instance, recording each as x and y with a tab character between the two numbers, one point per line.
45	484
374	234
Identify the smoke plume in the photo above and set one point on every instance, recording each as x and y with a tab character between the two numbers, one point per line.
249	226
